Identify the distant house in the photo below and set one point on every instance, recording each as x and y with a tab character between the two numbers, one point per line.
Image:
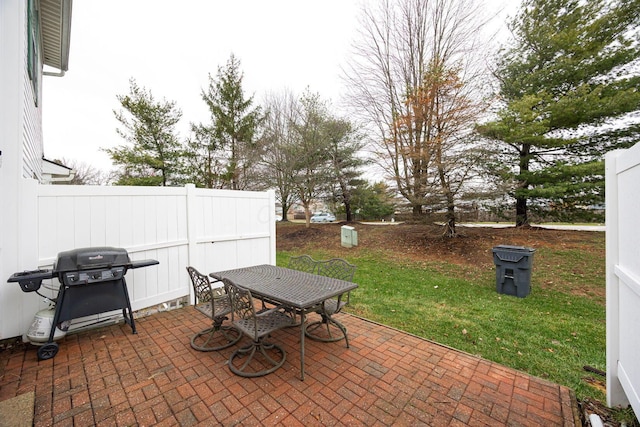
54	172
34	34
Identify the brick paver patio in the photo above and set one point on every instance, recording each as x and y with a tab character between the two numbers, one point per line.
110	377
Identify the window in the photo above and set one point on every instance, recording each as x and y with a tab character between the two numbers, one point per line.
33	36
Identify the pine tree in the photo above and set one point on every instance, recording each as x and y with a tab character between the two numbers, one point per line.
233	125
345	165
155	155
570	77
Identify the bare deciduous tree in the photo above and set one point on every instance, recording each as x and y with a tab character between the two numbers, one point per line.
309	154
311	151
412	78
279	139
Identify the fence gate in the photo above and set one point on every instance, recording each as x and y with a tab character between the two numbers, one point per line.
623	277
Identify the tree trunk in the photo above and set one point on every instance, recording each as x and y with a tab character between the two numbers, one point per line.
450	218
307	214
522	218
417	211
285	209
346	200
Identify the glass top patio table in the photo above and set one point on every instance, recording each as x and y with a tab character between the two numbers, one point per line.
291	288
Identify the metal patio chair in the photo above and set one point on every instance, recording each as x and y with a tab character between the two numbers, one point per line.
336	268
303	263
216	305
260	357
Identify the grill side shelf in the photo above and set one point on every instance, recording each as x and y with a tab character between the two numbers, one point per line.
30	281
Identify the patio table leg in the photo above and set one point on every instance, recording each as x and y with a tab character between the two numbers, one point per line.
302	314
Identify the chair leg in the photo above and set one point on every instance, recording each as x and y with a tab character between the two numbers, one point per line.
293	314
215	338
257	352
313	330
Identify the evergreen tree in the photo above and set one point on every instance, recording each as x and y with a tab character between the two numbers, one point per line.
233	125
206	165
572	71
343	148
155	155
372	201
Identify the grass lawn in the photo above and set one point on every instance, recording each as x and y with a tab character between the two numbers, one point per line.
552	333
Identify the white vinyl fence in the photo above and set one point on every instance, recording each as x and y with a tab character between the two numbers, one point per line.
623	277
208	229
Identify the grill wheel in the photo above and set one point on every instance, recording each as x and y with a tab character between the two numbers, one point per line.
48	351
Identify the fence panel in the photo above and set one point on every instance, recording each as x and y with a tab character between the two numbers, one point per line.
234	229
623	278
210	229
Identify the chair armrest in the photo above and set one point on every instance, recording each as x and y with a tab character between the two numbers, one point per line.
266	312
217	295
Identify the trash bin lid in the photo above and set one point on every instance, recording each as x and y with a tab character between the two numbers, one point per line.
512	248
511	253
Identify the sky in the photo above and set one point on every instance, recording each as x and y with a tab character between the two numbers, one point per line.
170	48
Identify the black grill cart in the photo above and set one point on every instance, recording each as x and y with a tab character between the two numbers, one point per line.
91	282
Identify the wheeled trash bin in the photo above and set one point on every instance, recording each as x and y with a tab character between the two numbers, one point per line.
513	269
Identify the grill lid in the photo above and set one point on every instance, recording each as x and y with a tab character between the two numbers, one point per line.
91	258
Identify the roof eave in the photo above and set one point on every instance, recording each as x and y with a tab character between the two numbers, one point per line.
55	18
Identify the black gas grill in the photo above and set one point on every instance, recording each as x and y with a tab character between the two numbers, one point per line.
91	282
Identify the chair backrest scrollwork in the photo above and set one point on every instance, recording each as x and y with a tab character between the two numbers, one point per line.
303	263
201	286
242	306
336	268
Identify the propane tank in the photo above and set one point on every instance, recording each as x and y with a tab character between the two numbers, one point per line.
40	329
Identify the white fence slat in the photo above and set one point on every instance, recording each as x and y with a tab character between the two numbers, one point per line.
98	215
65	232
223	222
162	217
138	219
125	224
47	228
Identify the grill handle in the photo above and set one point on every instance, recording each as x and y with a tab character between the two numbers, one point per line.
103	266
142	263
